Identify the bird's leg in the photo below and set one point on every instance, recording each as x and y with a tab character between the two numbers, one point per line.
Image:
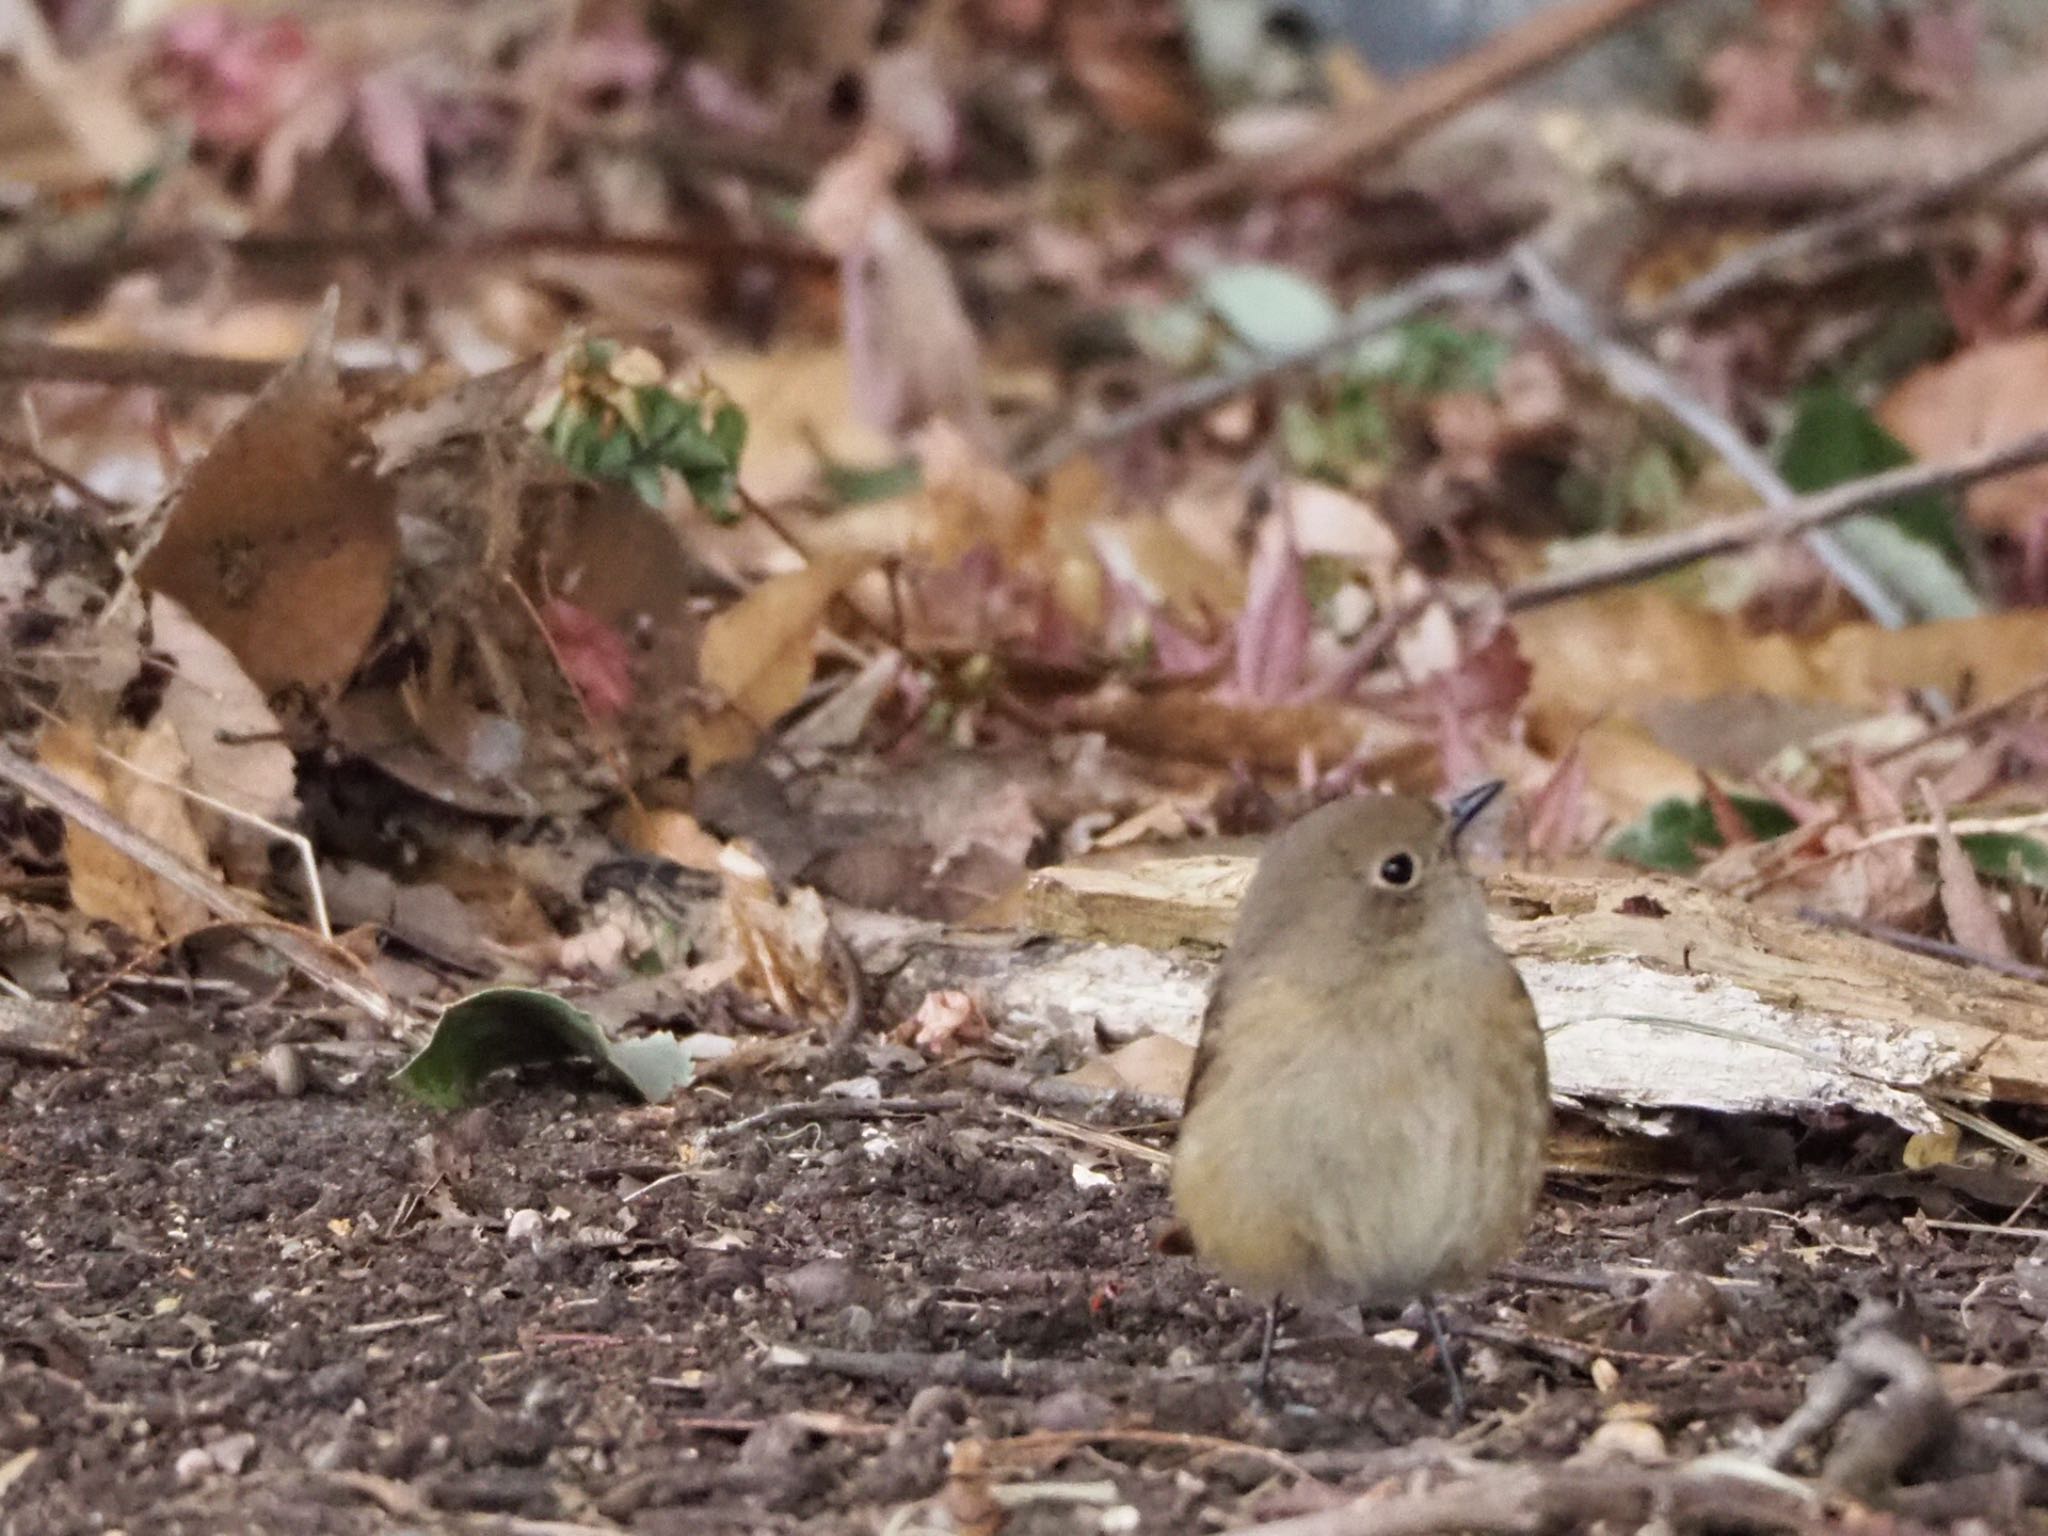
1446	1359
1264	1387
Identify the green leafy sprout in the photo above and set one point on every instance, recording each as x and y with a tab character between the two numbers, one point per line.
617	417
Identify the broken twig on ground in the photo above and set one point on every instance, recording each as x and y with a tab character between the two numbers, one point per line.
1769	259
1638	379
1380	313
1640	559
1389	121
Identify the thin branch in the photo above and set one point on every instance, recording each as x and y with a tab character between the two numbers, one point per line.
40	784
1921	944
144	368
1371	318
1762	262
1638	378
1647	557
1392	120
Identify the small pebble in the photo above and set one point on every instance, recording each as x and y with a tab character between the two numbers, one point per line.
192	1466
1071	1409
285	1067
1630	1438
1679	1304
524	1224
231	1453
823	1285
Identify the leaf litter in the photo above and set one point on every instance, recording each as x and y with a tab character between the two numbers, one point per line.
630	605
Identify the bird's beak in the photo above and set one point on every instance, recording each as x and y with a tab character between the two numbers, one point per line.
1464	809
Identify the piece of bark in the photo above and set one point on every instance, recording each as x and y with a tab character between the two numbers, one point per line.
1766	1013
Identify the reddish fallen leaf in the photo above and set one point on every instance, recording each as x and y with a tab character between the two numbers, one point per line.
1557	811
594	657
1273	630
1972	919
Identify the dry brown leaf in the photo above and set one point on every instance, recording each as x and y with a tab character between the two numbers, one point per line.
914	352
282	540
800	404
945	1022
237	751
1152	1064
669	834
1989	394
1618	650
784	946
1972	919
758	656
107	884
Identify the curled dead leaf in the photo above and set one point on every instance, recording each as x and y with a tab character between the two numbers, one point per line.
281	541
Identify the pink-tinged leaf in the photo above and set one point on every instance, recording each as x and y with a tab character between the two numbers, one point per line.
722	102
1489	682
239	80
308	129
1459	759
1876	802
392	126
617	58
1273	630
593	655
1728	820
1976	771
1972	919
1936	47
1557	812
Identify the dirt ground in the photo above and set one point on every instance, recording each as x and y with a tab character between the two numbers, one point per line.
229	1309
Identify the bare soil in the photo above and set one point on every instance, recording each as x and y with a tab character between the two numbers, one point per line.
222	1308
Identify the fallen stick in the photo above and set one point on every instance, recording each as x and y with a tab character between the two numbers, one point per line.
1769	259
1376	315
308	955
1639	379
1640	559
1390	121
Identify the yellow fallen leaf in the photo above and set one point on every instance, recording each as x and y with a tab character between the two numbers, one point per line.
758	656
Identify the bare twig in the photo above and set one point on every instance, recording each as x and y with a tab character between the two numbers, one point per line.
1522	1501
1766	259
1380	313
144	368
832	1109
1920	944
310	957
1647	557
912	1369
1637	378
1403	113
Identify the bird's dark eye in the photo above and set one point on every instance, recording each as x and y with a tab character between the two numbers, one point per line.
1397	869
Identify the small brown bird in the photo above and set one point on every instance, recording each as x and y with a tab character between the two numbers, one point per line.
1367	1113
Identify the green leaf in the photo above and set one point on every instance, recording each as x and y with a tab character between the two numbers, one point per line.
565	425
518	1026
2008	856
851	485
1669	836
729	432
1833	439
662	415
1269	308
1673	833
614	453
648	485
1430	356
1178	335
712	490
